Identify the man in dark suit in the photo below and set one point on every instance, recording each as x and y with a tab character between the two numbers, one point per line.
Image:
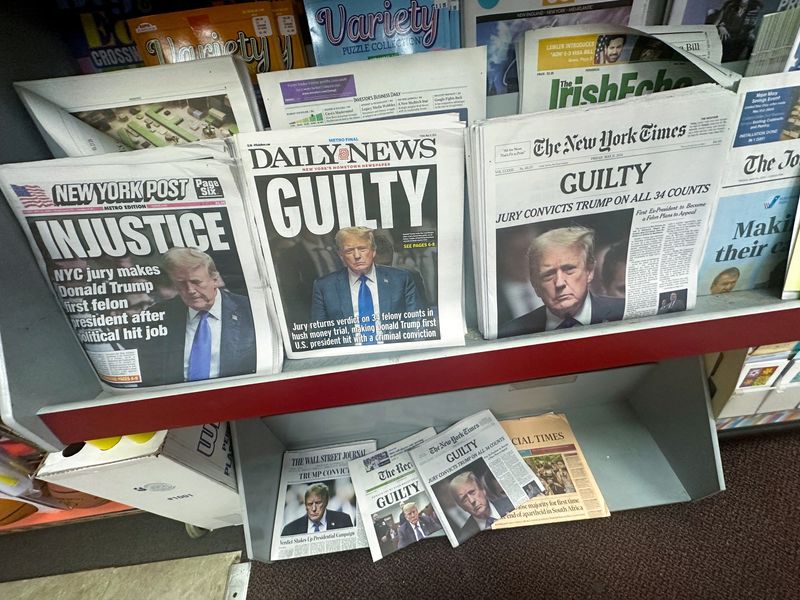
317	518
470	494
210	331
416	527
562	267
674	304
362	289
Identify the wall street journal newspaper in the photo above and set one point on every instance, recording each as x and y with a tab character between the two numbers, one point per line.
317	511
394	505
137	109
426	83
547	444
749	240
589	64
150	257
474	476
595	214
361	225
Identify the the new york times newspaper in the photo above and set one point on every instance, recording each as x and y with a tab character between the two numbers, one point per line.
316	511
474	476
361	225
599	213
549	447
151	258
590	64
394	505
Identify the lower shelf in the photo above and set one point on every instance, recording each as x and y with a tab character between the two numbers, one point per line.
647	432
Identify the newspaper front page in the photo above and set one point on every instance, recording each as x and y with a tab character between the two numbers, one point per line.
395	508
590	64
151	259
596	214
317	511
137	109
362	228
437	82
474	476
752	229
548	445
501	25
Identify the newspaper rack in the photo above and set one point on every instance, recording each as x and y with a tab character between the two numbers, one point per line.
646	431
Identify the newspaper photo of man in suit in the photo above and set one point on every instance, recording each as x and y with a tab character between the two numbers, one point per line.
362	288
470	493
417	526
210	330
317	518
562	264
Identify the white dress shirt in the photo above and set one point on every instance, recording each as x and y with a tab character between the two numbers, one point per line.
584	316
215	324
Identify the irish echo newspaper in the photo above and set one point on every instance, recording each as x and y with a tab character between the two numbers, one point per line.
150	256
362	229
628	187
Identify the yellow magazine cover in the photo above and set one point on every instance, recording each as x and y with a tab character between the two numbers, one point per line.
247	30
293	51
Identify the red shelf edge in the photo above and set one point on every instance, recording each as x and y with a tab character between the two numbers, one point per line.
492	367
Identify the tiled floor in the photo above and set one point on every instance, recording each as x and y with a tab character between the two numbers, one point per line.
199	578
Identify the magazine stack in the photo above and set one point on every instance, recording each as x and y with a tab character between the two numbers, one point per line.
589	215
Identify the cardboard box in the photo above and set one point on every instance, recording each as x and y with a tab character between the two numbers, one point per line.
183	474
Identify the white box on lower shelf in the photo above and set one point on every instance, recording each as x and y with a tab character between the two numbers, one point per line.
183	474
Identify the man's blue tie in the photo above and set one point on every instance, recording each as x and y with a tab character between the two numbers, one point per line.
568	323
366	312
316	525
489	522
200	355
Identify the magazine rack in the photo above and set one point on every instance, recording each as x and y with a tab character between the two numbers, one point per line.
50	394
646	430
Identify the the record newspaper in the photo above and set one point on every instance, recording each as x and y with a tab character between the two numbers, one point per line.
317	511
474	476
361	224
596	214
590	64
147	251
548	445
394	505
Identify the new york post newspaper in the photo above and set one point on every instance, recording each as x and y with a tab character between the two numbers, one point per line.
150	257
599	213
361	225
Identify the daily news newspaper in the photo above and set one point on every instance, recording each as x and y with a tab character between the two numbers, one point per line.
595	214
150	256
425	83
749	241
394	505
548	445
590	64
474	476
362	228
135	109
317	511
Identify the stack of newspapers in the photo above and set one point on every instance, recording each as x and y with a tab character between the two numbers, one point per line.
594	214
477	475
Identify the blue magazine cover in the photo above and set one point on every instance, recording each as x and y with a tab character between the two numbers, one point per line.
361	29
749	241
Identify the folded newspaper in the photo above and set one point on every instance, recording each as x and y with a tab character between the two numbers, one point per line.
361	225
548	445
317	511
749	241
395	508
590	64
594	214
474	476
436	82
134	109
500	24
150	256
